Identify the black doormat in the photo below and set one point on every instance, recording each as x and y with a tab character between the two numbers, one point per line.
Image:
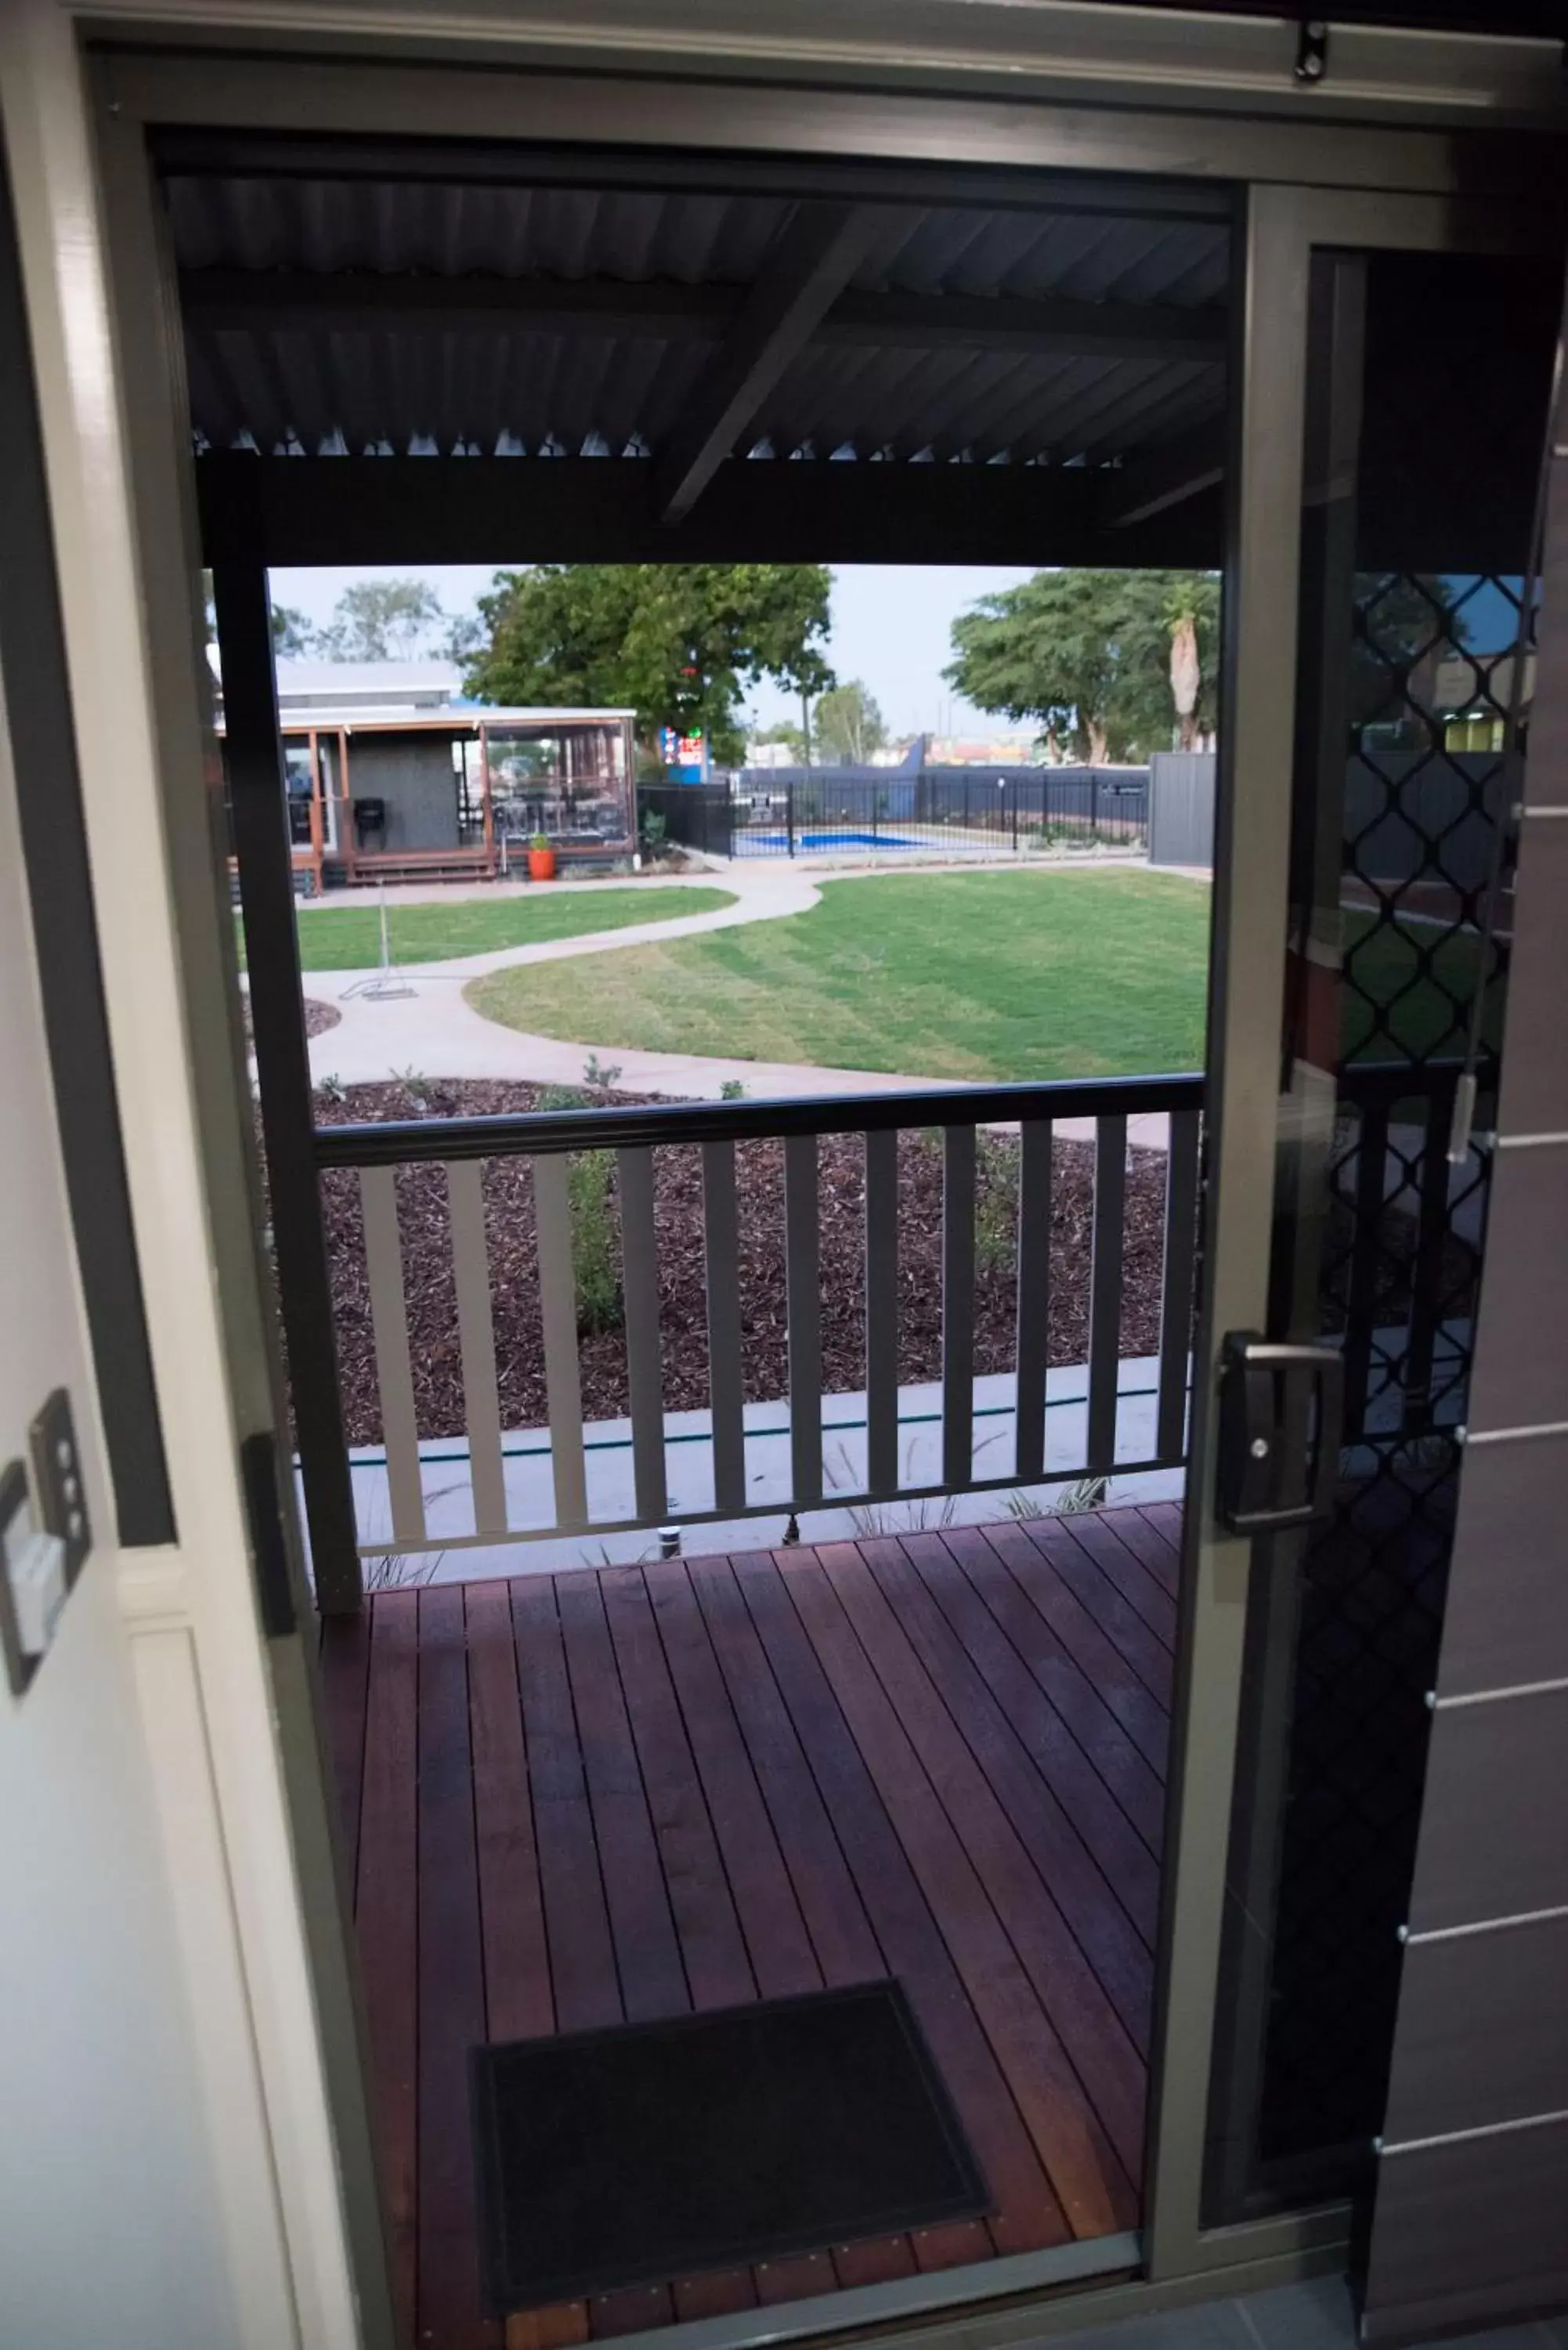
651	2151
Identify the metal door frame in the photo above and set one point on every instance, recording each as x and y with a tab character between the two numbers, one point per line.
1300	183
1282	227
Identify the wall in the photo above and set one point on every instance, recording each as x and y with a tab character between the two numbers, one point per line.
246	1920
1472	2192
109	2230
414	775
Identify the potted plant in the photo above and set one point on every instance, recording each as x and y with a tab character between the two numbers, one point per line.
541	858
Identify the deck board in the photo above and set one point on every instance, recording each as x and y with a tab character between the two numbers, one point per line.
1090	1906
388	1920
451	1979
1023	1972
1122	1567
1111	1712
1103	1785
580	1799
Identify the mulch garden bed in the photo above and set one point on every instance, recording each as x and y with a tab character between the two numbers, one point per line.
318	1017
514	1297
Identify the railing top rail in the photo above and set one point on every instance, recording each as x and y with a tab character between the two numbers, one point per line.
401	1141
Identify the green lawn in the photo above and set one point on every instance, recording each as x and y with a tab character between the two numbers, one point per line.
998	975
349	938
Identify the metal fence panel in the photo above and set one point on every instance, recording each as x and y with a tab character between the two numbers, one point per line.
962	811
1181	807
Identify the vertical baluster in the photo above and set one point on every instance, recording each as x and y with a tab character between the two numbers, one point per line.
1034	1323
1176	1284
639	1287
1365	1250
958	1305
476	1336
721	1264
882	1312
1106	1290
558	1316
803	1280
394	1375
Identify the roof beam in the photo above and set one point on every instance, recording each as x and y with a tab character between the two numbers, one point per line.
1049	328
808	268
518	510
304	301
1167	477
296	301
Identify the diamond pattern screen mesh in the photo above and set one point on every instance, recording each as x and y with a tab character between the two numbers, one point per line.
1408	879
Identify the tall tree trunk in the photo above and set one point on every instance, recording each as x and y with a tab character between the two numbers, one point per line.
1189	731
1098	748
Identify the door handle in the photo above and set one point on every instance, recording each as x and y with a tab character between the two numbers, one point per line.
1281	1415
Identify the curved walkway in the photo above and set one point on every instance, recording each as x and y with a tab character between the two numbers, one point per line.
422	1022
759	897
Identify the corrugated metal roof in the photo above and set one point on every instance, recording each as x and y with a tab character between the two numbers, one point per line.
457	717
394	678
358	376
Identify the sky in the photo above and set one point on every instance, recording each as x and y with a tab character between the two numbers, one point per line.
891	628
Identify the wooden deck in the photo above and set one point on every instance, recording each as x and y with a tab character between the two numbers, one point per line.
612	1794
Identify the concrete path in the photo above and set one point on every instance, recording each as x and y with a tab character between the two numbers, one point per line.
426	1026
759	897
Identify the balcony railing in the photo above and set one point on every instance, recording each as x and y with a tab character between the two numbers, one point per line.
1088	1429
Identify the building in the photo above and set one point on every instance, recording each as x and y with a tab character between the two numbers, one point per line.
394	777
1220	1859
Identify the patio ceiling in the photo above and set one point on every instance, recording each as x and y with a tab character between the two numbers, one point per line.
992	367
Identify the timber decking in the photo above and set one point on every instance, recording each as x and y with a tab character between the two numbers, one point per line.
576	1799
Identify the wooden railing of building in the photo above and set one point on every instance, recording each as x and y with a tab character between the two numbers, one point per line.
634	1135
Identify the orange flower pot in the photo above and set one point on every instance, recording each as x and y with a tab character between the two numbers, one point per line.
540	865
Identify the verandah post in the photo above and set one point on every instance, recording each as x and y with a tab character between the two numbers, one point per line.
258	798
486	803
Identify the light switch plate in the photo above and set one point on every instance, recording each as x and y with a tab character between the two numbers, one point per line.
15	1512
61	1496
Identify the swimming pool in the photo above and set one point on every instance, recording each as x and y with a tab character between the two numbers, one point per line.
772	844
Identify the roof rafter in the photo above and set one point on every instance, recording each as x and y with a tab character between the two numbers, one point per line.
810	264
666	310
1167	476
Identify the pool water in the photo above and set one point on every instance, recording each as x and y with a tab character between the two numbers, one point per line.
770	840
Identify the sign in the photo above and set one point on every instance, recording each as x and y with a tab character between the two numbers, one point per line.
684	755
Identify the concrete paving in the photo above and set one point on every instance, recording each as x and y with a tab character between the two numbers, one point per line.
454	1552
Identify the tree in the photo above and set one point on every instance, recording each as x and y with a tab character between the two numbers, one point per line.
848	725
1089	655
792	737
465	637
383	620
292	637
676	642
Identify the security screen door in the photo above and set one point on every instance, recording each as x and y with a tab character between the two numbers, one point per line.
1397	364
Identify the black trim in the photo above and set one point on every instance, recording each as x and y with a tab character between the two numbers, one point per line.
354	510
269	1545
258	809
400	1142
41	724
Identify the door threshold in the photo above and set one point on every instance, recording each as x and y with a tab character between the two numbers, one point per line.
917	2296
